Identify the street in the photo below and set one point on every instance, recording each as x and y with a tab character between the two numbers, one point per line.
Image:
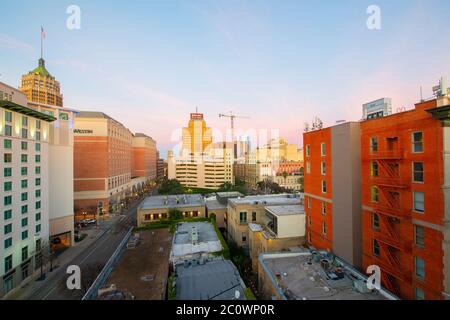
96	253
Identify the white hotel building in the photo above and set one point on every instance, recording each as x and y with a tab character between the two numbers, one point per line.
24	187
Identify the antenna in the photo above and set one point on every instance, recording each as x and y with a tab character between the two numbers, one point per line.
421	94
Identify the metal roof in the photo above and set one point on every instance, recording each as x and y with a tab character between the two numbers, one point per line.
26	111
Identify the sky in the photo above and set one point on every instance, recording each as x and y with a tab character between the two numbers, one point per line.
148	64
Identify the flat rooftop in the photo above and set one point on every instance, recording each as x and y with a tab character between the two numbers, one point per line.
214	204
172	201
272	199
214	280
207	242
300	276
143	271
286	210
229	194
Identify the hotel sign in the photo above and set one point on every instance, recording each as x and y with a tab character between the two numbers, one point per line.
197	116
83	131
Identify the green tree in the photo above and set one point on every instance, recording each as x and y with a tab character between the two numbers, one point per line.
175	214
171	186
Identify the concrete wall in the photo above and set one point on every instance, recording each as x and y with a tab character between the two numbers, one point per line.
291	226
346	185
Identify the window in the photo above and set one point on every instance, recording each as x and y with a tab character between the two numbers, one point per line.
244	238
419	294
8	243
374	144
38	216
8	131
419	199
376	248
8	116
24	121
419	236
308	150
38	205
24	145
417	142
7	172
7	157
323	168
7	186
37	158
24	253
324	208
37	193
253	216
38	124
24	158
374	169
7	214
24	171
38	228
38	136
38	245
308	167
374	194
8	263
37	147
417	171
324	228
375	221
38	181
323	149
63	116
24	196
37	170
24	209
7	144
24	133
7	229
7	200
309	203
324	186
24	184
420	267
24	234
24	222
243	217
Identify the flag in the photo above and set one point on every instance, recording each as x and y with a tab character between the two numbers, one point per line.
42	33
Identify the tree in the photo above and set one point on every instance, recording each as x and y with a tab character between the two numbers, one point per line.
171	186
175	214
285	175
226	187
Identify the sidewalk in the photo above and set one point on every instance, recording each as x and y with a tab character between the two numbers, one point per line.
65	258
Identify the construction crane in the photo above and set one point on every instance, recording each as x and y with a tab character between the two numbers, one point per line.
232	116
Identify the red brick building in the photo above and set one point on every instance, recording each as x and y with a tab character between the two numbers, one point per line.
102	164
145	156
405	194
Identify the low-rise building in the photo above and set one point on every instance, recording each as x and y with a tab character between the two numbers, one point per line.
155	208
313	276
217	205
283	227
252	209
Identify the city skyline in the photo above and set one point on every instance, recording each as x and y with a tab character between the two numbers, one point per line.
190	54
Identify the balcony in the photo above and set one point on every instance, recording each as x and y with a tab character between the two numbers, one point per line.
394	154
391	182
393	240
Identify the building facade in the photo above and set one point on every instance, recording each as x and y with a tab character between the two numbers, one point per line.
145	157
24	188
332	183
405	199
102	164
43	94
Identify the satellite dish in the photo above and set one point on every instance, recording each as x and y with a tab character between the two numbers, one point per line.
237	295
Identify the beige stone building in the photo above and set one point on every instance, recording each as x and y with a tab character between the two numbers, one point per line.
157	208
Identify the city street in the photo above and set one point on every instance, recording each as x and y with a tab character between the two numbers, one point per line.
97	253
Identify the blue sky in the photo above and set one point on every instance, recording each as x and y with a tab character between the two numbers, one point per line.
149	63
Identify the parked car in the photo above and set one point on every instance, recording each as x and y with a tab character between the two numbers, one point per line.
88	221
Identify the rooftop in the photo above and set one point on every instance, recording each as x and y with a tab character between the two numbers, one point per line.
213	204
187	246
273	199
286	210
300	276
214	280
26	110
172	201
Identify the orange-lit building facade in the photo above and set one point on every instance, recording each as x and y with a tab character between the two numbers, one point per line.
405	194
145	157
102	164
290	167
332	178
